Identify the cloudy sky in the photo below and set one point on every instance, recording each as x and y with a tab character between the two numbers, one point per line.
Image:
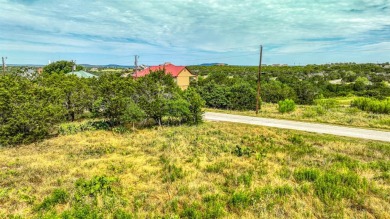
189	32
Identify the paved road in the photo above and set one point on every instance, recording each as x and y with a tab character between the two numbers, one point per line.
302	126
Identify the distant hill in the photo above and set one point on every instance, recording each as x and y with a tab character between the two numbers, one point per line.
106	66
212	64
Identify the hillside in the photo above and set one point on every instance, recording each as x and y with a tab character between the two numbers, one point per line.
213	170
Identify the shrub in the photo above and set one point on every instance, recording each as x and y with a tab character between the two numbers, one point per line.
28	111
286	106
372	105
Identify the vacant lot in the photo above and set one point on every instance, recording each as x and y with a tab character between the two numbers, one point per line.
208	171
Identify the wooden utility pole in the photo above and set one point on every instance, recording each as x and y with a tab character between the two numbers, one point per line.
3	60
258	82
136	65
73	66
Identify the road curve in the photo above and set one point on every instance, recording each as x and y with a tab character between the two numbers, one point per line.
302	126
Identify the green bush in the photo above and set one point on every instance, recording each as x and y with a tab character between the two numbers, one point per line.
286	106
372	105
28	111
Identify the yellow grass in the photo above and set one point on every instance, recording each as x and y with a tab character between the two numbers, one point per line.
211	167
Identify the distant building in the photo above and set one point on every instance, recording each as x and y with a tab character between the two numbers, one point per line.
180	73
82	74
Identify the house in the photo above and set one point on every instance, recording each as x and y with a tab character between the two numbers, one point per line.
180	74
82	74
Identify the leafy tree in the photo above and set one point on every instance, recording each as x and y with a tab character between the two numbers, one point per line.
75	94
215	95
306	92
28	111
275	91
242	96
153	93
178	109
132	113
61	67
196	104
113	92
360	83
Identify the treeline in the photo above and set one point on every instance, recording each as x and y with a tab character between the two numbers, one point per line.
31	109
234	87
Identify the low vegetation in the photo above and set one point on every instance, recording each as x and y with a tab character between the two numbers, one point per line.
372	105
286	106
337	111
213	170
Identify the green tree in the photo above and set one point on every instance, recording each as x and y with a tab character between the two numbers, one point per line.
61	67
113	93
153	93
242	96
196	105
75	93
28	111
132	113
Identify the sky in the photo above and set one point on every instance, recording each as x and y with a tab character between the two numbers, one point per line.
190	32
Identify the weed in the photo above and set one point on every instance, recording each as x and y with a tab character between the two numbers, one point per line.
331	186
172	173
240	200
215	206
285	173
191	211
58	196
242	151
297	140
344	161
310	175
217	167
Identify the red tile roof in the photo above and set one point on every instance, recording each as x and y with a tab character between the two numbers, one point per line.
169	69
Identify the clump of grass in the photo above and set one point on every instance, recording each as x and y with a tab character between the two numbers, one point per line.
58	196
333	186
172	173
308	174
240	200
217	167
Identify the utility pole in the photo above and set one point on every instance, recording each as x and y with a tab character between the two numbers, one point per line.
136	65
258	82
74	65
3	60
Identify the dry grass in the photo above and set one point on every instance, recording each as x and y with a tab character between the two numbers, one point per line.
342	114
212	170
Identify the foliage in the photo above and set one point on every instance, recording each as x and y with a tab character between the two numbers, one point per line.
28	111
61	67
196	104
303	84
372	105
286	106
74	93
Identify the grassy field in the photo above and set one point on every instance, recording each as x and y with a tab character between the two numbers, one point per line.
215	170
340	114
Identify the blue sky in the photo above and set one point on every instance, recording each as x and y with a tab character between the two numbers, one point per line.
187	32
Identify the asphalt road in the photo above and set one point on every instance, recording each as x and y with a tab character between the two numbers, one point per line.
302	126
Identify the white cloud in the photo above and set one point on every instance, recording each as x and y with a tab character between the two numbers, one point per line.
187	26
